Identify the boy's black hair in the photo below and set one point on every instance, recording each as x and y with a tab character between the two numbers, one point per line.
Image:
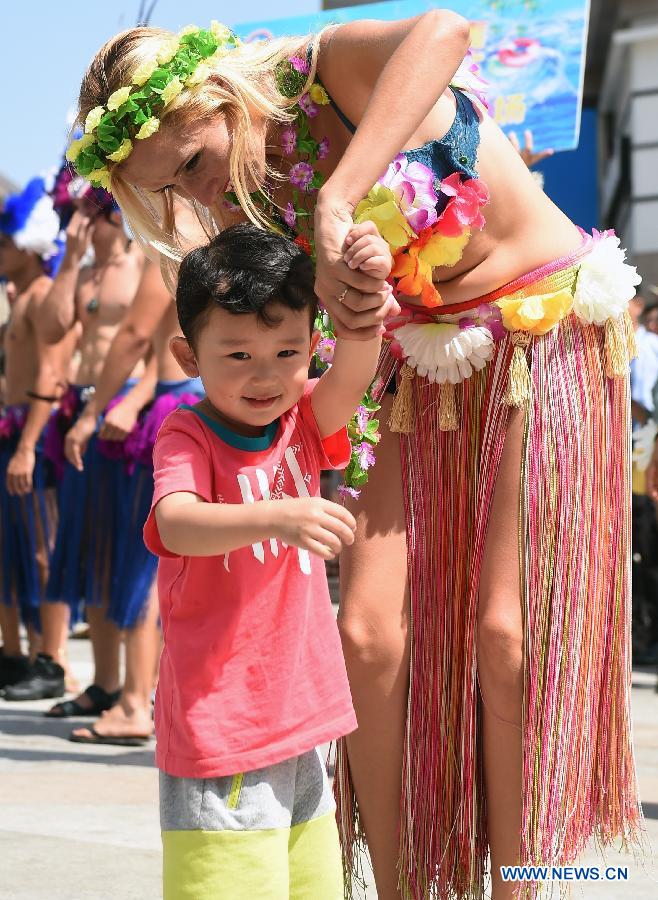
244	269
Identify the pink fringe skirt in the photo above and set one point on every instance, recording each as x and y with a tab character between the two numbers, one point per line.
574	551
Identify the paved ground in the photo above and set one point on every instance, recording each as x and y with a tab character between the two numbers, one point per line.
80	823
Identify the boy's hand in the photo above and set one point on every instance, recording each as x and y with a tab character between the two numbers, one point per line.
367	251
314	524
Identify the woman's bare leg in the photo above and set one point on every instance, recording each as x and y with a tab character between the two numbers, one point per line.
373	623
500	664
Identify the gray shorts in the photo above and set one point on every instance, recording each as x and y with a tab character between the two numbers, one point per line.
268	834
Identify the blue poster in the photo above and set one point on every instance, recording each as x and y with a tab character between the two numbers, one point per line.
532	53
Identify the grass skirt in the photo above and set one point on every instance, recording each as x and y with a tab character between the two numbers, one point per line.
574	550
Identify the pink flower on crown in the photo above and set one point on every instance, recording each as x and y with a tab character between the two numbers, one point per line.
345	490
301	175
299	65
307	106
463	210
323	148
290	216
288	140
413	186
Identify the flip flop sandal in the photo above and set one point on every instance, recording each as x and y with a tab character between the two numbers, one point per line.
100	700
120	741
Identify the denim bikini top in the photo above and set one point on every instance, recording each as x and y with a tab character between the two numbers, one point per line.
456	151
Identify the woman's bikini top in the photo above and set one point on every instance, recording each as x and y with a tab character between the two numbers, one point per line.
456	151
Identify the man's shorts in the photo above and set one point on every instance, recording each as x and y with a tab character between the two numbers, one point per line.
264	835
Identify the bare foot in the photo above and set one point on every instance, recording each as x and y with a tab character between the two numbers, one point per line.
121	722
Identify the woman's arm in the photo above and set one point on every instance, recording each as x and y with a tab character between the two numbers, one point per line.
410	64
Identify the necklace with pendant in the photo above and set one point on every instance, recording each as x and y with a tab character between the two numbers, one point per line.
94	304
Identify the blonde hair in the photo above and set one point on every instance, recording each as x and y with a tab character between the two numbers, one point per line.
242	79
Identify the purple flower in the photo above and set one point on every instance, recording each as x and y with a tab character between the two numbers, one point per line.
299	65
490	317
323	148
307	106
301	175
413	185
362	416
325	350
230	206
365	455
288	140
290	216
346	491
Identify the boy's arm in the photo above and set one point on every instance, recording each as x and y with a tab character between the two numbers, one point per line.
341	389
190	526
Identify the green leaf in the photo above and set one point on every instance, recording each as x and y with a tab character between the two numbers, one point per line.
307	145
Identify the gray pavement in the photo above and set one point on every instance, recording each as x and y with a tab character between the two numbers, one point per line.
81	823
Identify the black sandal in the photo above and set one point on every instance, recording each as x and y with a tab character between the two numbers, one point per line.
93	737
100	700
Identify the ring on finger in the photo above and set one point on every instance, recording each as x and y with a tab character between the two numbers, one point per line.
342	295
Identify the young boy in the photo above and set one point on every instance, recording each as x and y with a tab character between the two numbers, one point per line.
252	677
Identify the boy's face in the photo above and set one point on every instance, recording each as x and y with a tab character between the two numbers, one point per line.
253	372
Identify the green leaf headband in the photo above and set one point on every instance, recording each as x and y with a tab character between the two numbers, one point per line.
181	62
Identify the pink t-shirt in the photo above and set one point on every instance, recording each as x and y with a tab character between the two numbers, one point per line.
252	671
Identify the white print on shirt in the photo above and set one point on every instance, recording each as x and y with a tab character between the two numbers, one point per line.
300	482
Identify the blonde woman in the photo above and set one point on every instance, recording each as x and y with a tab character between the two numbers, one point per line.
484	608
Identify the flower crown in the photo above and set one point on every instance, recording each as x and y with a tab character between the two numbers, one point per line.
132	114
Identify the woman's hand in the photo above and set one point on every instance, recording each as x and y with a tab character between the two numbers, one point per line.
119	422
357	313
77	438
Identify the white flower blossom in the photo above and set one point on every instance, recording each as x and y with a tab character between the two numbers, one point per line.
605	282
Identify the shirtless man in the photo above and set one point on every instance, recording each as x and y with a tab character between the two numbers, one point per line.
35	379
150	323
83	566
